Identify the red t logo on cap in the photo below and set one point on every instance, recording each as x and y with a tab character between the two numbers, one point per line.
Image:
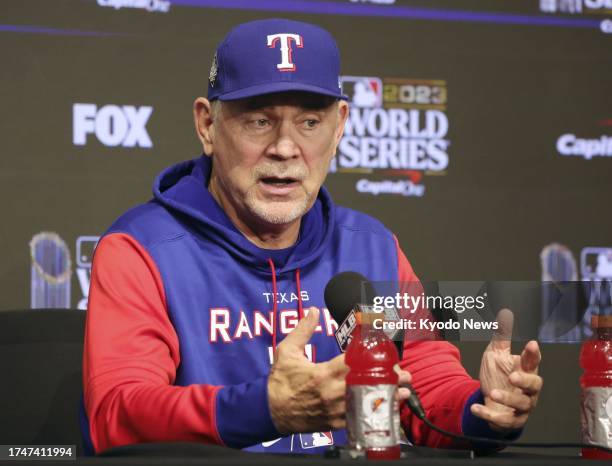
286	63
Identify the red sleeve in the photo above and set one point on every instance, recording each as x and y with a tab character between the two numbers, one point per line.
131	355
438	377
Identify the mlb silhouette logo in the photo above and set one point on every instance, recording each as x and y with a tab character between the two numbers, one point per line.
596	263
85	247
316	439
363	91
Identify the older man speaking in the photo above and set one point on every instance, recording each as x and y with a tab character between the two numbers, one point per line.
206	319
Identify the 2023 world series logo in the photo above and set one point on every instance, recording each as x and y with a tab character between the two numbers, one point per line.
396	134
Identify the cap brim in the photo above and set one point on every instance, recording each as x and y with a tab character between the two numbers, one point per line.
271	88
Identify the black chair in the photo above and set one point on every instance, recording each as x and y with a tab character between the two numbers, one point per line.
41	353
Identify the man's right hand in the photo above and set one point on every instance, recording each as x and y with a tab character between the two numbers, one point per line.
304	396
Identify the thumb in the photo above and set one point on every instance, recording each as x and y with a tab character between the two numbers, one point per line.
301	334
502	336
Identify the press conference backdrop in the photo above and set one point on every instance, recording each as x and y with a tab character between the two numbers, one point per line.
480	132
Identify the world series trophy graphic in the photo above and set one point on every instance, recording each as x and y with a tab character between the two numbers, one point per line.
51	272
558	266
570	320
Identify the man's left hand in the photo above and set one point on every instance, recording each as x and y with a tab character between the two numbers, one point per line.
510	383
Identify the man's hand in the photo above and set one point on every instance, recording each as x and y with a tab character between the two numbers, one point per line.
303	396
510	383
308	397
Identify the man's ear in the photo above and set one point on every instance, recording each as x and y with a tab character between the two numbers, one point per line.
203	119
343	113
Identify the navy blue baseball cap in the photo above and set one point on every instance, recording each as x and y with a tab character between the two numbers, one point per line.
275	55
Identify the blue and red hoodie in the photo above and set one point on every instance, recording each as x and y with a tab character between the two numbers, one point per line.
185	312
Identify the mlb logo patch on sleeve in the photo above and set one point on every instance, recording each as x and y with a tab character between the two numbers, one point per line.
316	439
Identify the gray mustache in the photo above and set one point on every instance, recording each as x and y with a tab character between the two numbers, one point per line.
298	173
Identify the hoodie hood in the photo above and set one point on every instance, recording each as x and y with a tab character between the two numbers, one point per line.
183	189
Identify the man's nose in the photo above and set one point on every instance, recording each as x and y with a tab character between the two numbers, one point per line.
284	145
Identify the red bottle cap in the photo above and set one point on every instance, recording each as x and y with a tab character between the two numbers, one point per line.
601	321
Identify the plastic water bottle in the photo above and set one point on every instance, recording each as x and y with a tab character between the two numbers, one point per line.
372	414
596	383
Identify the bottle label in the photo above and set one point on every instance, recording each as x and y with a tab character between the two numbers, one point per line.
596	415
372	416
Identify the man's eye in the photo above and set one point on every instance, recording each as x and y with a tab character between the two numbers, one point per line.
311	123
261	122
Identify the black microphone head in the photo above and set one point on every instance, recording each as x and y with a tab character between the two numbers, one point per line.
344	291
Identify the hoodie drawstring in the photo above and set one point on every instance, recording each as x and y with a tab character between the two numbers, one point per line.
274	305
299	294
275	302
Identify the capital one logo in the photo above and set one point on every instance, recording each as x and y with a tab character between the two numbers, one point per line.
112	125
286	50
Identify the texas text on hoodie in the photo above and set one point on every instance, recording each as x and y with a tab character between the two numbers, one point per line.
184	313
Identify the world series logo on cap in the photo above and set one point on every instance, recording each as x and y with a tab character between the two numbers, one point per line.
213	71
286	63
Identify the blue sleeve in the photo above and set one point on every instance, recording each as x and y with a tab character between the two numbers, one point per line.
477	427
243	414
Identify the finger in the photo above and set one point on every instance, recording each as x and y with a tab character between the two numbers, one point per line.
501	420
337	424
530	384
531	357
301	334
403	393
336	412
337	409
517	401
502	336
334	393
403	376
335	367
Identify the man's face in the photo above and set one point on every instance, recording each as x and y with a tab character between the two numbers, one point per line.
271	153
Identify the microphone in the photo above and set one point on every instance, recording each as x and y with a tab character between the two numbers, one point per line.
343	295
344	291
348	292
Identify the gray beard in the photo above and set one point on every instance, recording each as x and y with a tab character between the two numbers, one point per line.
275	216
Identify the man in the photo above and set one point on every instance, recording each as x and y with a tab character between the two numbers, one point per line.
206	319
